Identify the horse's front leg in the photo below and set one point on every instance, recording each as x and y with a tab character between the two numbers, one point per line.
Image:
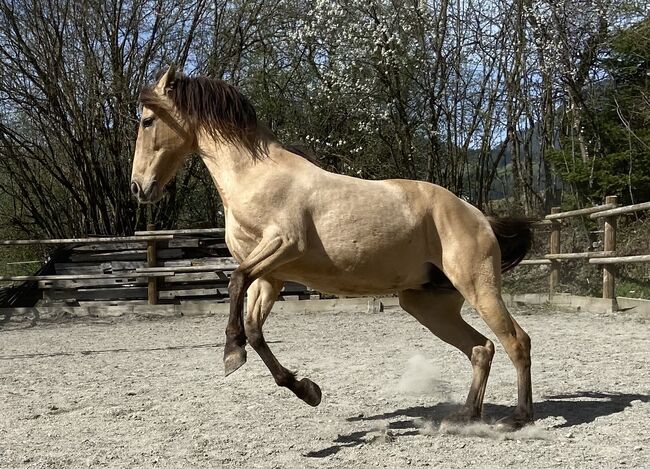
261	297
234	353
272	251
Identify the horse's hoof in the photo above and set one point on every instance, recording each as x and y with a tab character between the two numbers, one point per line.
512	423
463	416
309	392
233	360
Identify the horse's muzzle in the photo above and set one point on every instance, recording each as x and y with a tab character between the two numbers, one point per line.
152	193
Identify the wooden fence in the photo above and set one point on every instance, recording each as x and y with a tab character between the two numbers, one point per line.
608	212
157	266
153	267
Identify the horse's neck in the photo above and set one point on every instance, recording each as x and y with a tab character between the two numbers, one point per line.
233	168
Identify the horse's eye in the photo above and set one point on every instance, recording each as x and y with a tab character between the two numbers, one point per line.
147	122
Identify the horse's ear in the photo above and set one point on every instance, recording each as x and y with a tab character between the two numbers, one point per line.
166	81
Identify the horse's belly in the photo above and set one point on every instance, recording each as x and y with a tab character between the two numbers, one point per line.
378	277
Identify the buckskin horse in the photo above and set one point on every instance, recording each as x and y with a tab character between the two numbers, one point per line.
288	219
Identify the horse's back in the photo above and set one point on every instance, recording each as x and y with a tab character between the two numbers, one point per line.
369	236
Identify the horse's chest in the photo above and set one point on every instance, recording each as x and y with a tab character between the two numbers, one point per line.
240	240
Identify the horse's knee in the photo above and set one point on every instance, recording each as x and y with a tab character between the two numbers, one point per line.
237	283
285	379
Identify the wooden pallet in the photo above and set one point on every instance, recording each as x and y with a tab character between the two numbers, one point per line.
191	265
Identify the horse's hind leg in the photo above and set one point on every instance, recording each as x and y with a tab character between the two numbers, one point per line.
261	296
439	311
477	275
517	345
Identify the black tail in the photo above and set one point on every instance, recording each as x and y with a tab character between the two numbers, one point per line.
515	238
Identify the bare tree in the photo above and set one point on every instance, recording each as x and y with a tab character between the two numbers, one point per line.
69	84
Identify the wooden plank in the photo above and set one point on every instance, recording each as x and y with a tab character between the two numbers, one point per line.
175	262
36	278
112	303
536	262
99	294
555	246
193	277
579	255
189	269
621	260
542	223
609	244
152	261
81	268
184	243
116	266
191	231
195	307
89	248
92	283
131	255
216	245
172	294
217	261
214	261
621	210
222	286
582	211
108	239
105	294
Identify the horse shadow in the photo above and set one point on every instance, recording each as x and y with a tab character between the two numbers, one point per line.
576	409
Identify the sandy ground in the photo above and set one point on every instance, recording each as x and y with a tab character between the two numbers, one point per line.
150	393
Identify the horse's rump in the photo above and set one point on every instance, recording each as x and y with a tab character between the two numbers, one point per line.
514	236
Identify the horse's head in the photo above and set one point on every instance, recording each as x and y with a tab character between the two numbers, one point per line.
164	141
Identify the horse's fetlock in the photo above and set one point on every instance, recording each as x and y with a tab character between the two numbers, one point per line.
285	380
237	280
232	332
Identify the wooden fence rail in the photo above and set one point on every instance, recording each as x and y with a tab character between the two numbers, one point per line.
151	267
609	211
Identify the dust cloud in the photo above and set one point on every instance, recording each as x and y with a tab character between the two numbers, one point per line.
421	378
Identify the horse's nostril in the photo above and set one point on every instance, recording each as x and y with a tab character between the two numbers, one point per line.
135	188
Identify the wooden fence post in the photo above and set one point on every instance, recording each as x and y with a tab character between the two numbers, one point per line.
152	261
554	248
609	244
